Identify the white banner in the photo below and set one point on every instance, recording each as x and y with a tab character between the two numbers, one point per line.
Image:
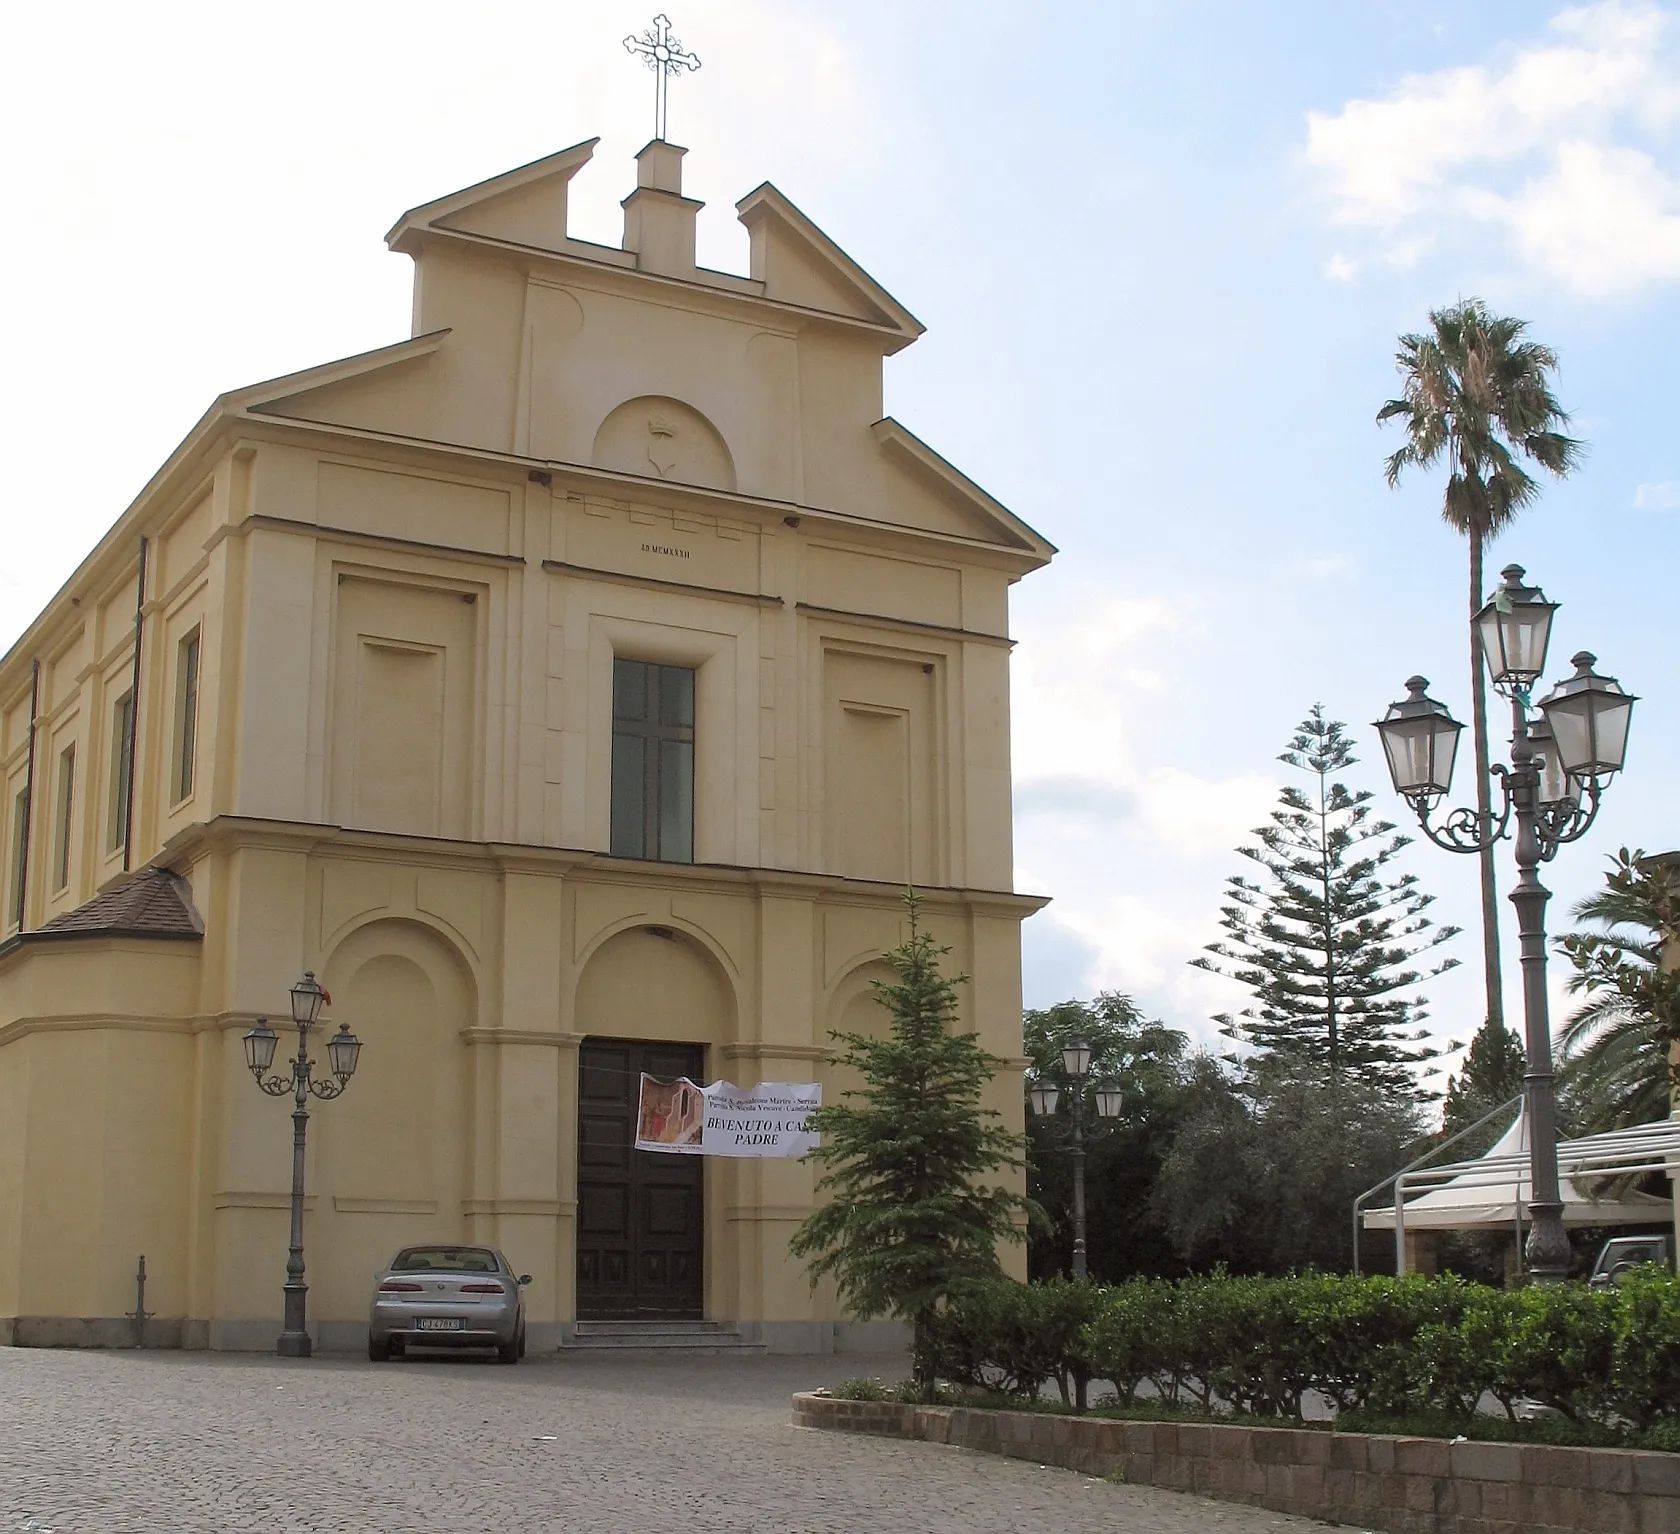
682	1118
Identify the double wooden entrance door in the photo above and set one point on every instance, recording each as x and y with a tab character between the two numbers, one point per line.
641	1226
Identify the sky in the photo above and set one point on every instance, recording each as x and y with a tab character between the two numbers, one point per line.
1163	254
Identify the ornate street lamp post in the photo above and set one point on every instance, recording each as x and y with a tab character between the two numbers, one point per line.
1076	1061
1560	765
342	1050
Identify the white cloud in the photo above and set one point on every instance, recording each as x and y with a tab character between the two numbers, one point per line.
1562	151
1663	496
1100	813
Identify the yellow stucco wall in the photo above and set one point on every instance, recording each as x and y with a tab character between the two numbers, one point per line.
409	576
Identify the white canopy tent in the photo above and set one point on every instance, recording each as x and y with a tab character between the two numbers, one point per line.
1492	1191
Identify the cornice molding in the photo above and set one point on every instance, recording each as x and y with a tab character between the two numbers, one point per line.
316	839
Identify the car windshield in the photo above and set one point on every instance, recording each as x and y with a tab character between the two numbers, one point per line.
444	1259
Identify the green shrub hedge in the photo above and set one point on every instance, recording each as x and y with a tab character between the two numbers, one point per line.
1376	1348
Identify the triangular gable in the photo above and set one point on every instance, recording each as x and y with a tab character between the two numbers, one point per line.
799	264
980	515
526	206
328	382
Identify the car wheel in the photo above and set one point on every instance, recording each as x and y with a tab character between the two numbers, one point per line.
521	1341
378	1351
508	1352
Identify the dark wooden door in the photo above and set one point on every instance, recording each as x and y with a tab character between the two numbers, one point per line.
641	1226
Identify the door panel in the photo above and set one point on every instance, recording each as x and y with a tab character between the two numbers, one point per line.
641	1218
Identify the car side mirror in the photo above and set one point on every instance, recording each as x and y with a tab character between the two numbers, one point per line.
524	1279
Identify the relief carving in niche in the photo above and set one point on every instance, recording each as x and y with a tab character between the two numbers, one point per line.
658	438
662	444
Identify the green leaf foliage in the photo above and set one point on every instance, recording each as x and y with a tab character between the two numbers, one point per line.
1265	1167
1326	939
1379	1349
912	1215
1150	1063
1478	395
1492	1074
1615	1048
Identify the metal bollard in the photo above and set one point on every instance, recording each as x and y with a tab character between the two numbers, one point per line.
139	1315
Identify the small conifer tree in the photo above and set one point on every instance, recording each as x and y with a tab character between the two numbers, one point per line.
910	1218
1327	944
1492	1074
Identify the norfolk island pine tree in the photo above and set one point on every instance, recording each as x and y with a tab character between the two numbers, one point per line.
1327	944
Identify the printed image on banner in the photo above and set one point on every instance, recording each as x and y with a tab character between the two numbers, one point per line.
683	1118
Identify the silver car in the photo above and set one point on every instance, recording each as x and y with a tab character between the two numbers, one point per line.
448	1296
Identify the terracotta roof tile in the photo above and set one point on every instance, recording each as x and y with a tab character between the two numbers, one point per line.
153	903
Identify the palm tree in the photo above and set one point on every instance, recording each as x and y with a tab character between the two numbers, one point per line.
1616	1048
1476	393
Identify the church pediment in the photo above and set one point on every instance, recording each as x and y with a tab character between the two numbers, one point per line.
375	390
940	498
798	264
526	206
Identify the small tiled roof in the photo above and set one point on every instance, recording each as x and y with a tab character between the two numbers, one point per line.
153	903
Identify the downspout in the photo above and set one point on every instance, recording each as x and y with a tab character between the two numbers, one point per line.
134	711
28	797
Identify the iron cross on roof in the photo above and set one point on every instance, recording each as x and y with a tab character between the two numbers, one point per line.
662	51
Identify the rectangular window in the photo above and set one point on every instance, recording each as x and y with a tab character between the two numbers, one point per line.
20	852
186	715
122	771
66	808
653	762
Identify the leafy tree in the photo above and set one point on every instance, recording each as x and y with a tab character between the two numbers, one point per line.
1266	1165
1148	1061
910	1219
1492	1074
1327	944
1616	1047
1474	392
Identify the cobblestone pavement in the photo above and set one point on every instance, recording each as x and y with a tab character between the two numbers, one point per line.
179	1443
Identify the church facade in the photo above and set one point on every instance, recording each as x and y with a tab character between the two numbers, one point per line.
574	687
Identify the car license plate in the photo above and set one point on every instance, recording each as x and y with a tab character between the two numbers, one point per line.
440	1323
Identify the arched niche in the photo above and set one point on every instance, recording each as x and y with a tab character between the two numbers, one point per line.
854	1006
661	438
390	1155
652	982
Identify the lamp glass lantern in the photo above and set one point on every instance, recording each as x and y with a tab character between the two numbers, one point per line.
1557	787
307	997
1076	1058
1109	1100
1420	740
1044	1100
342	1050
1515	627
1589	717
260	1044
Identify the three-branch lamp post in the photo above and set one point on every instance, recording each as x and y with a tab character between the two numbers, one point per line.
1076	1061
1561	763
342	1050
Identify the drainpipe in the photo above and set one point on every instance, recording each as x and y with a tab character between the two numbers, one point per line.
28	797
134	711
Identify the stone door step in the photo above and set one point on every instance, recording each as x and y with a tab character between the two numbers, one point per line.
686	1336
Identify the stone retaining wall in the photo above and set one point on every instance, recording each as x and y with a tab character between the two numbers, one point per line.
1400	1485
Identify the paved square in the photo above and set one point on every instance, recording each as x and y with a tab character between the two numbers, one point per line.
179	1443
